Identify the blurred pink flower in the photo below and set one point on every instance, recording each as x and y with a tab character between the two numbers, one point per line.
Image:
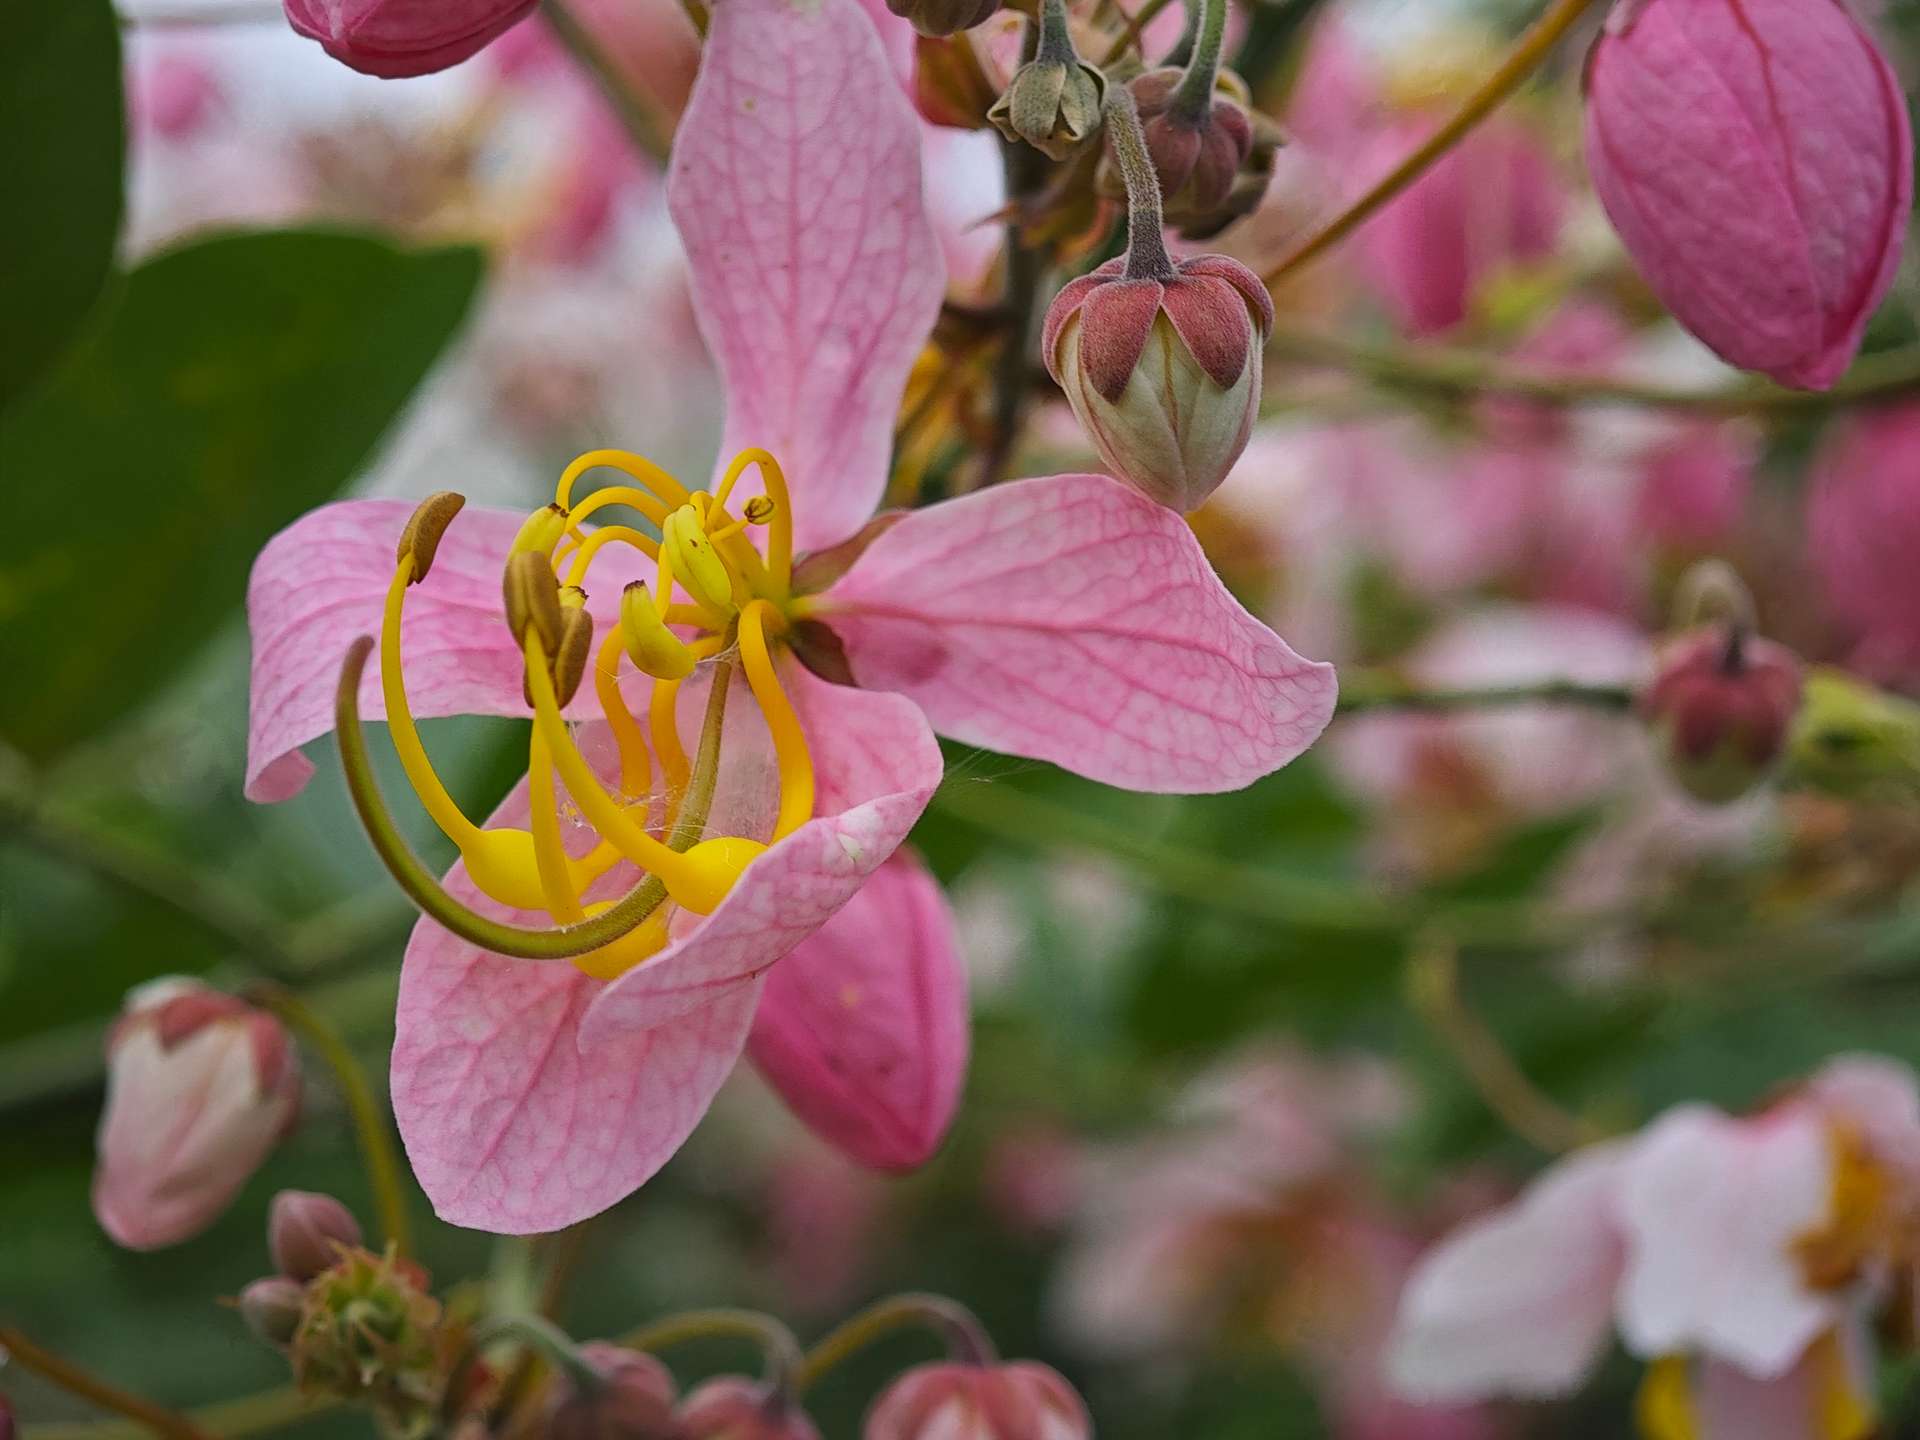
396	38
1863	527
171	93
200	1086
1757	160
823	1221
1018	1401
1694	484
1744	1256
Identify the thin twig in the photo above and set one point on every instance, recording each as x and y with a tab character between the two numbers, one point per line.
17	1349
1360	696
967	1342
642	120
1130	33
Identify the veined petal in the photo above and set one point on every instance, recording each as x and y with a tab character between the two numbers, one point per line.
1071	620
816	274
511	1123
322	582
863	1030
875	767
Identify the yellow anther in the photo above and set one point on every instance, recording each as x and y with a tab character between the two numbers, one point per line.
712	866
610	962
421	538
779	563
532	598
758	510
572	597
541	531
789	740
652	647
576	647
695	563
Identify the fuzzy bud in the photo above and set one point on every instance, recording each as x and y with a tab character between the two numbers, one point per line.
1053	105
1197	158
308	1232
633	1400
944	17
271	1308
1721	704
396	38
370	1333
200	1086
733	1407
1022	1401
1756	158
1164	375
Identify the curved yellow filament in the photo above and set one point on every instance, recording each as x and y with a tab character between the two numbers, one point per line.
780	524
789	740
636	767
627	495
549	853
663	725
447	814
582	559
628	463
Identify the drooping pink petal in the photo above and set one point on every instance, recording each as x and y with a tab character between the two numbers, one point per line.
795	184
510	1122
863	1029
876	765
322	583
1071	620
1712	1208
1518	1302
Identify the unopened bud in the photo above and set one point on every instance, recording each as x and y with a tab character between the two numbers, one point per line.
944	17
1720	704
576	649
394	38
369	1333
532	598
1198	158
1164	375
307	1232
694	562
633	1399
733	1407
979	1402
540	531
272	1308
654	649
421	538
1053	105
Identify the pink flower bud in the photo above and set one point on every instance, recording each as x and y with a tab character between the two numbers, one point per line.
272	1308
395	38
635	1402
1022	1401
199	1087
306	1232
1721	703
1164	375
733	1407
1863	525
944	17
1196	160
1756	158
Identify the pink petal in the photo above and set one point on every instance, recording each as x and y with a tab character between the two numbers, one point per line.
1069	619
1518	1302
1066	304
1833	1378
1214	324
1115	320
875	767
511	1123
1712	1208
322	582
863	1030
795	183
1878	1100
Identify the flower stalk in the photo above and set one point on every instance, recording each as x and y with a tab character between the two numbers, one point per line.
1147	257
966	1340
16	1348
1194	97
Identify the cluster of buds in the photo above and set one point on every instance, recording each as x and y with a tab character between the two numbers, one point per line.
200	1087
1212	155
1054	101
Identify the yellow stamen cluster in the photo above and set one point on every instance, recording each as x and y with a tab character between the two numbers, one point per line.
735	597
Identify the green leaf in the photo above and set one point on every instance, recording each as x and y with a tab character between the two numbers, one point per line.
60	170
236	383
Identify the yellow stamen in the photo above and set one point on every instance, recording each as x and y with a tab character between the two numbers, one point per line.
789	740
696	565
780	527
636	768
625	461
610	962
626	495
663	724
550	855
582	557
1664	1407
541	531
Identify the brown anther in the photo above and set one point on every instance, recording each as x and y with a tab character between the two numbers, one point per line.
570	660
572	597
758	510
532	597
421	538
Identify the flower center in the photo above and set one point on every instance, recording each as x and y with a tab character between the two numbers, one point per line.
717	598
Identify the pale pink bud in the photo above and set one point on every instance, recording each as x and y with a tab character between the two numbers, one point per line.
1863	527
306	1232
1164	375
395	38
199	1087
1022	1401
1756	158
634	1402
272	1308
1721	703
733	1407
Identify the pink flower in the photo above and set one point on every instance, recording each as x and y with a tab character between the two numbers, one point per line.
395	38
200	1086
731	1407
1694	484
1744	1256
1065	619
1757	160
1863	523
1021	1401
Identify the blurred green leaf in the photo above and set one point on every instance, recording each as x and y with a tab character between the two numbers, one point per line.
236	383
60	169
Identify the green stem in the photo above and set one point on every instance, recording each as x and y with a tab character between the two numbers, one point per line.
1147	257
967	1343
231	1419
691	823
1527	55
778	1348
17	1349
540	1336
377	1150
1130	32
1056	40
1026	268
642	122
1193	100
1444	370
